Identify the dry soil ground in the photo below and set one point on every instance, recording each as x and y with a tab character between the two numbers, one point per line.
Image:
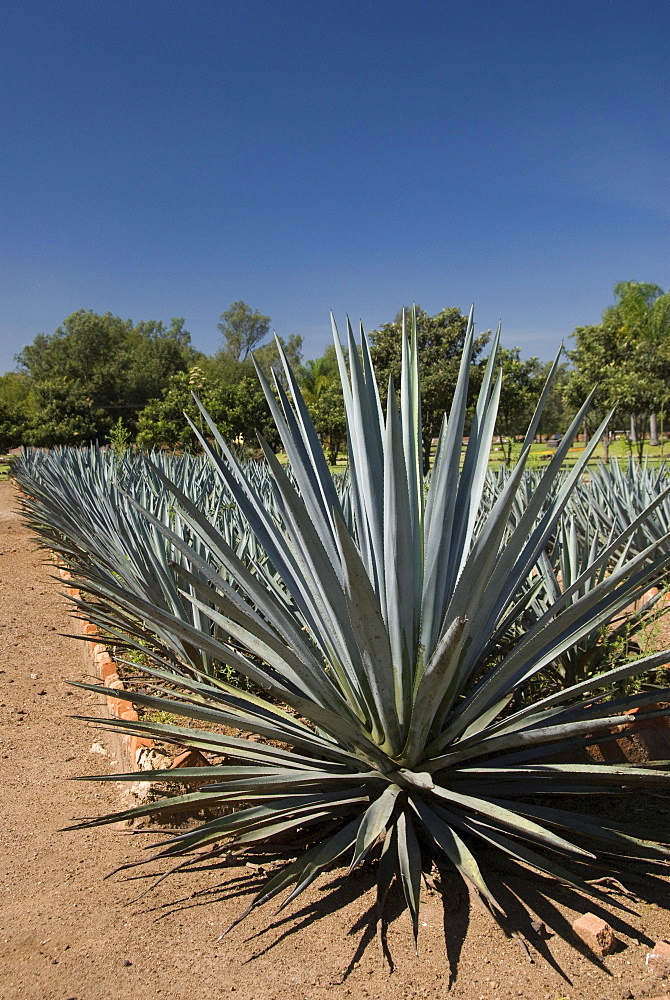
66	933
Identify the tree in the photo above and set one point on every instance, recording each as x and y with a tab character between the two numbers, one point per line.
626	356
15	406
440	338
642	315
267	356
225	369
238	409
597	358
522	384
322	390
95	369
162	423
65	413
242	329
556	414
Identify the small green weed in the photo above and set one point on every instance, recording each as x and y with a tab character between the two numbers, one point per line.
119	438
164	718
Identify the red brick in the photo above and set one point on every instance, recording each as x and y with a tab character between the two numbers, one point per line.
114	683
190	758
139	743
651	736
129	715
596	933
106	669
657	722
115	706
658	960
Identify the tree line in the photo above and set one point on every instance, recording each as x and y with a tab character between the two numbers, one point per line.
101	378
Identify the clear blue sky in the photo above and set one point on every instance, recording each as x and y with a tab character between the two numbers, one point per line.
163	158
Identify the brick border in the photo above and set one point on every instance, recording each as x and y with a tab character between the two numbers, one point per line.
97	657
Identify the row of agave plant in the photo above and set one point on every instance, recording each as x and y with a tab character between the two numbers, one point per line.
388	629
88	504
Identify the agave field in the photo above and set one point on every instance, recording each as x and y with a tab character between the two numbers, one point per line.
424	658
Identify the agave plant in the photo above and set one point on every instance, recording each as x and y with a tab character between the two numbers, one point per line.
576	547
616	496
384	698
84	504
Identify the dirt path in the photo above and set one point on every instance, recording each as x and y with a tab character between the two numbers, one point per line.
66	934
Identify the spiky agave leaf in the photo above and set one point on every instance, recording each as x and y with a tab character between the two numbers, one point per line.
390	714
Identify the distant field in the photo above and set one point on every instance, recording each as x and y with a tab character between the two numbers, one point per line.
540	454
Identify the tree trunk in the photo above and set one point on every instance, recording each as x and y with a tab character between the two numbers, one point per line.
606	446
506	449
641	430
653	430
427	443
633	428
585	431
662	430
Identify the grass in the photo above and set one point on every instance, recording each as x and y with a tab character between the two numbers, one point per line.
165	718
620	450
540	454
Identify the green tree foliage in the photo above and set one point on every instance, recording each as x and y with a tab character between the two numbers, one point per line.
224	367
322	390
556	414
96	369
627	356
522	384
267	356
242	329
238	407
440	340
15	406
641	310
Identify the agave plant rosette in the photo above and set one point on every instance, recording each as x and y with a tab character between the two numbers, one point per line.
382	692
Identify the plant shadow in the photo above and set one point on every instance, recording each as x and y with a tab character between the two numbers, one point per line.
534	906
